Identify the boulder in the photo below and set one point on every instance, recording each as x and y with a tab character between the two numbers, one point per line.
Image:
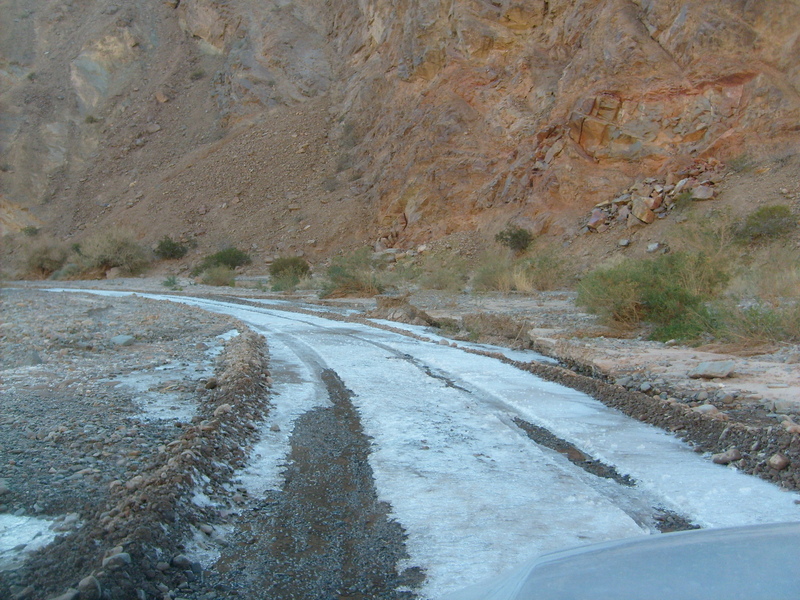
641	210
713	369
778	462
727	457
702	192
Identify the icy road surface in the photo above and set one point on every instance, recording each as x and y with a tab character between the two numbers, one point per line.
474	494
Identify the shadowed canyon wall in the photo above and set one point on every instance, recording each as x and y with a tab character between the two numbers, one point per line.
442	115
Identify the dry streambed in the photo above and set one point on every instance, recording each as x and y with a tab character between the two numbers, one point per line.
120	476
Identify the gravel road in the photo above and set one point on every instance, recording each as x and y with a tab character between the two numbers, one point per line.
125	418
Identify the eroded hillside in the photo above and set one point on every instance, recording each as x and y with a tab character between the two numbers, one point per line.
311	125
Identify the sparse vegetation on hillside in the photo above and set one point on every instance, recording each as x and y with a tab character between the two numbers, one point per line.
169	249
228	257
42	259
287	271
540	270
713	289
114	248
353	274
515	238
767	222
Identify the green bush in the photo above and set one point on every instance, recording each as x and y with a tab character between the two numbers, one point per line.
171	282
169	249
114	248
767	222
515	238
219	276
669	291
30	231
287	271
229	257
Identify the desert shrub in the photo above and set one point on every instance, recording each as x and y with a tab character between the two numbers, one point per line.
755	323
442	271
771	274
669	291
114	248
765	223
544	270
353	274
171	282
219	276
287	271
228	257
30	231
493	273
43	259
169	249
515	238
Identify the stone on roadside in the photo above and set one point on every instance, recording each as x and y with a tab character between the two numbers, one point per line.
70	594
598	218
727	457
713	369
31	359
703	192
4	489
706	409
222	409
117	561
122	340
641	211
181	561
778	462
90	589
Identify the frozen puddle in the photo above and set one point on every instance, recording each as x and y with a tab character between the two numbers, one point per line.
155	389
20	535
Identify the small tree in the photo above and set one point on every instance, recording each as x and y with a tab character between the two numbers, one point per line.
515	238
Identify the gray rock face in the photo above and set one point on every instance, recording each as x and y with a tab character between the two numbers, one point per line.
713	369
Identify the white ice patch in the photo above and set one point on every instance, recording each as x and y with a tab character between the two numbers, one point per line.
295	392
20	535
427	332
158	405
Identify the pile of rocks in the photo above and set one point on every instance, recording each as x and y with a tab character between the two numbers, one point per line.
654	198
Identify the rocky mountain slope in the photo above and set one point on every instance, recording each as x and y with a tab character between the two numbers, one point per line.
305	125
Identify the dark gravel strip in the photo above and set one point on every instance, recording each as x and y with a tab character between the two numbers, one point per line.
325	535
544	437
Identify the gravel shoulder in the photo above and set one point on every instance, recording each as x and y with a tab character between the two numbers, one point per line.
122	417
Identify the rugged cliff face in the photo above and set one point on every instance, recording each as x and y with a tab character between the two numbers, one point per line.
312	124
